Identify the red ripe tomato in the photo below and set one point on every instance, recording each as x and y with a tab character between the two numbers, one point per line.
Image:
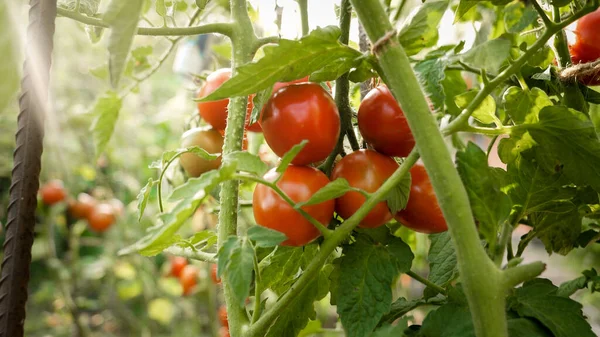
366	170
82	207
300	112
280	85
224	332
223	316
188	278
383	125
53	192
102	217
299	183
215	112
422	213
587	46
177	265
213	274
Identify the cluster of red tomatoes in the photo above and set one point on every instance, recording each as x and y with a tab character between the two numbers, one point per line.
99	215
301	110
587	46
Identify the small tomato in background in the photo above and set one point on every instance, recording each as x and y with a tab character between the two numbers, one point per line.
53	192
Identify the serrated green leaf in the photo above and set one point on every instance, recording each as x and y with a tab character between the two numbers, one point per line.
159	246
160	7
94	33
364	292
265	237
9	67
142	197
491	207
463	7
400	254
332	190
571	138
443	266
290	155
524	106
431	75
87	7
106	111
510	149
209	236
454	85
247	162
558	231
281	267
420	30
392	330
448	320
568	288
224	253
312	328
518	16
561	315
290	60
523	327
122	17
485	112
239	270
489	55
398	197
258	102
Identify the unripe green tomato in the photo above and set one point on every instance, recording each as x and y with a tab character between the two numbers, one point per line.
207	139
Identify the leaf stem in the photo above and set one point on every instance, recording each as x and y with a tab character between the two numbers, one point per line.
542	14
257	291
505	130
426	282
328	246
519	274
303	4
192	254
217	28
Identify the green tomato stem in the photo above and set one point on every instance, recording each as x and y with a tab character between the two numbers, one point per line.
426	282
303	4
242	40
481	278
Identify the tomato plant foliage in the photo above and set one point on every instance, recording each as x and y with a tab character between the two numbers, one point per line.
503	86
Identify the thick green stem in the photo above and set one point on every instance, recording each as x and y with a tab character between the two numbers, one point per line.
517	275
303	4
481	279
217	28
242	40
328	246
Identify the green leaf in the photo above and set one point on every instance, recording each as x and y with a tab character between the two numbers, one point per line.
188	197
443	266
431	75
398	196
563	316
518	16
463	7
281	267
332	190
296	315
160	7
290	155
312	328
448	320
489	204
392	330
258	102
143	196
247	162
400	254
510	149
485	112
239	268
94	33
265	237
420	30
571	137
106	111
87	7
209	237
290	60
122	17
489	55
523	327
454	85
558	230
9	67
524	106
364	292
568	288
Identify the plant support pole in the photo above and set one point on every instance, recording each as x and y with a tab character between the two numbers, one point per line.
481	279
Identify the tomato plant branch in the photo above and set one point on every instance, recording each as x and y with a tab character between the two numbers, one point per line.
193	254
399	308
257	290
463	118
481	278
519	274
217	28
263	41
506	130
242	41
324	230
542	14
329	245
426	282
